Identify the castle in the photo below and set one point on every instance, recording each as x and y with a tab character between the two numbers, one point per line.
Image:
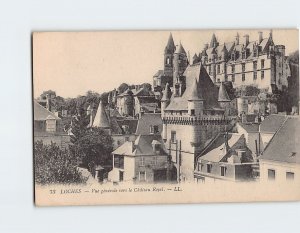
259	63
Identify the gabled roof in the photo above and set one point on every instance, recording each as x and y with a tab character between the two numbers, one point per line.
272	123
146	120
41	113
223	95
285	144
101	119
216	151
205	86
142	146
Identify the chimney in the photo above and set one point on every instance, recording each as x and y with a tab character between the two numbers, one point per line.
246	40
260	37
48	103
237	39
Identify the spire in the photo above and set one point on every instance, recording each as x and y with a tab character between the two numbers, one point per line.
194	94
180	49
223	95
101	119
170	48
213	42
166	96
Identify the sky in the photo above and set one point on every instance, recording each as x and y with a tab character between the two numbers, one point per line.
72	63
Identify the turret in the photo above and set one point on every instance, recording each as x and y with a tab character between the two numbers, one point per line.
224	52
213	42
101	120
223	98
180	64
195	101
165	100
237	39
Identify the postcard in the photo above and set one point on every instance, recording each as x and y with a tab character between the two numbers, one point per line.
166	117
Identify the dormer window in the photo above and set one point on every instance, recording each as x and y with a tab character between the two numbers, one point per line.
50	124
153	129
233	56
125	129
255	53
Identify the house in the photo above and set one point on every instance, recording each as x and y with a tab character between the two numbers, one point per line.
48	127
226	158
280	161
142	160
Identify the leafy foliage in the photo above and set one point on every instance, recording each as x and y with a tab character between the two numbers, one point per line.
54	165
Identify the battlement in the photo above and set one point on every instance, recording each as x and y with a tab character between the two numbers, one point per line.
194	120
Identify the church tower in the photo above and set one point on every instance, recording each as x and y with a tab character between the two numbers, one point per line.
180	63
168	56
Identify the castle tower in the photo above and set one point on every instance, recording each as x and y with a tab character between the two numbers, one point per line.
180	63
168	56
101	120
195	101
223	98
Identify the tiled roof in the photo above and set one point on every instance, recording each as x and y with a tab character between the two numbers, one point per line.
146	120
272	123
205	87
170	45
285	144
216	152
41	113
250	128
142	146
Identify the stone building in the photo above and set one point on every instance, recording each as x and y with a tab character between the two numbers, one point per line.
191	116
142	160
260	62
226	159
280	161
48	127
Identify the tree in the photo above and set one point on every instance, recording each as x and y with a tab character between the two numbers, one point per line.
94	147
55	166
123	87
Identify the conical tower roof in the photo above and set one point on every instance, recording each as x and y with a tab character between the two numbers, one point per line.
213	41
101	119
170	48
223	95
180	49
224	49
195	94
166	96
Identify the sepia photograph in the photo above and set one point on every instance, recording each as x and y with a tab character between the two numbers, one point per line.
160	117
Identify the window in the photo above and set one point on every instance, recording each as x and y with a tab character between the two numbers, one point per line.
142	176
232	69
243	55
153	129
254	75
271	174
243	77
154	162
173	136
223	171
200	166
119	161
121	176
50	125
290	175
168	61
254	53
142	161
233	56
192	112
262	62
254	65
243	67
208	167
209	69
233	78
262	75
218	69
